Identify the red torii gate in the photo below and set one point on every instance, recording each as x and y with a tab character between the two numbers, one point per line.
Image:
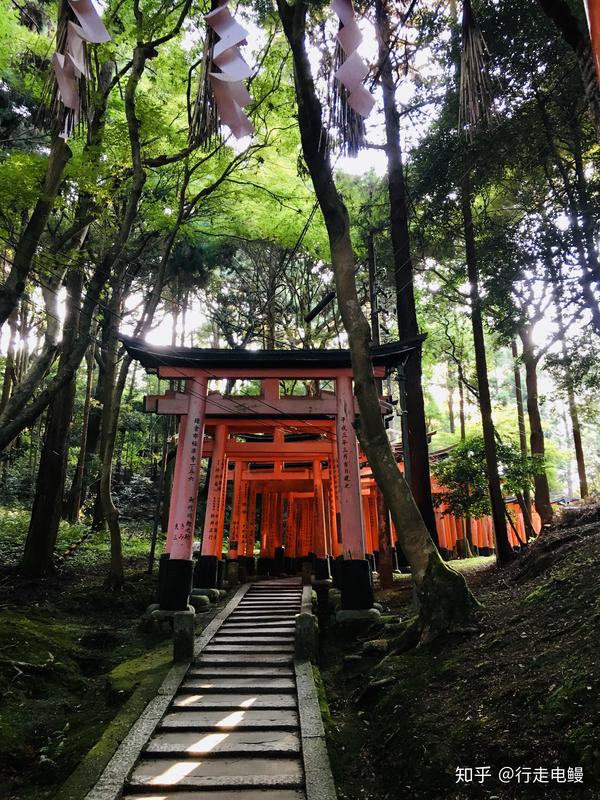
209	420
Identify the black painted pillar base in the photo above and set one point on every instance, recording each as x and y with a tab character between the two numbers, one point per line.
178	577
161	578
206	572
376	559
249	565
322	572
220	573
371	559
279	560
262	566
336	572
395	567
357	584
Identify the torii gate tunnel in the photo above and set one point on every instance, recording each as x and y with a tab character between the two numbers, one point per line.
293	462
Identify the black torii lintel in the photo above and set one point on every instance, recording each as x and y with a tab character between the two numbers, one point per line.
151	357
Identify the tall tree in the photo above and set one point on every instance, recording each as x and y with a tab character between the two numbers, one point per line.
445	599
408	326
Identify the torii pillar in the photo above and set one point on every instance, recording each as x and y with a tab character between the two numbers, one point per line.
357	586
207	570
178	568
320	541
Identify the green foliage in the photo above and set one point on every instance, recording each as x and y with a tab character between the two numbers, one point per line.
462	476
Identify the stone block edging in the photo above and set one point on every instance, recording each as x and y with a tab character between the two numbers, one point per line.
317	768
110	783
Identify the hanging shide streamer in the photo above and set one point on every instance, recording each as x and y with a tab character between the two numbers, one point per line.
476	102
222	80
79	26
351	101
204	124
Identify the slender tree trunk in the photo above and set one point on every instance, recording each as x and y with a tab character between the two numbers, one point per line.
461	404
47	506
76	492
536	436
573	413
576	428
504	551
450	384
445	599
408	327
110	416
521	418
10	377
12	290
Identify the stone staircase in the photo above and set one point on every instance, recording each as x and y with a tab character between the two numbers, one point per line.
232	729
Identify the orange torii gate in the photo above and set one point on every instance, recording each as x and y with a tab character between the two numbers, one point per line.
323	506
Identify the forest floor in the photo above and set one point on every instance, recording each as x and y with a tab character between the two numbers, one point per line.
523	691
76	667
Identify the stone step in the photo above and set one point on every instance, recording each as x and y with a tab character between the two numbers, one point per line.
264	685
284	624
248	671
215	721
224	647
275	616
239	743
212	794
230	700
234	659
288	604
268	609
218	773
255	636
271	597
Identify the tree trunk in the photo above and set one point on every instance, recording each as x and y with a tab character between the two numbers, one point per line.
47	506
76	493
536	437
521	420
576	428
450	384
408	327
12	290
504	551
461	404
10	377
385	566
573	413
445	601
115	579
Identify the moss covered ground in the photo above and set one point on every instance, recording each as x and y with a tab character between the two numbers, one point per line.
76	667
521	691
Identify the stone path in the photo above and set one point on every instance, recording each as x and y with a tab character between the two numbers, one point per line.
232	729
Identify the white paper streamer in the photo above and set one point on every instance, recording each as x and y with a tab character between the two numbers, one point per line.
231	95
70	66
354	70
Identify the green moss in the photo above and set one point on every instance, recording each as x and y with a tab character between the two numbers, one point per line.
322	697
144	676
127	675
538	594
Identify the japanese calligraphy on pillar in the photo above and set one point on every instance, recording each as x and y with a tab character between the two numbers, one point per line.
211	530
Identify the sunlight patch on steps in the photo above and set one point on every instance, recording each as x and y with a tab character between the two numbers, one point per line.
207	743
175	773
